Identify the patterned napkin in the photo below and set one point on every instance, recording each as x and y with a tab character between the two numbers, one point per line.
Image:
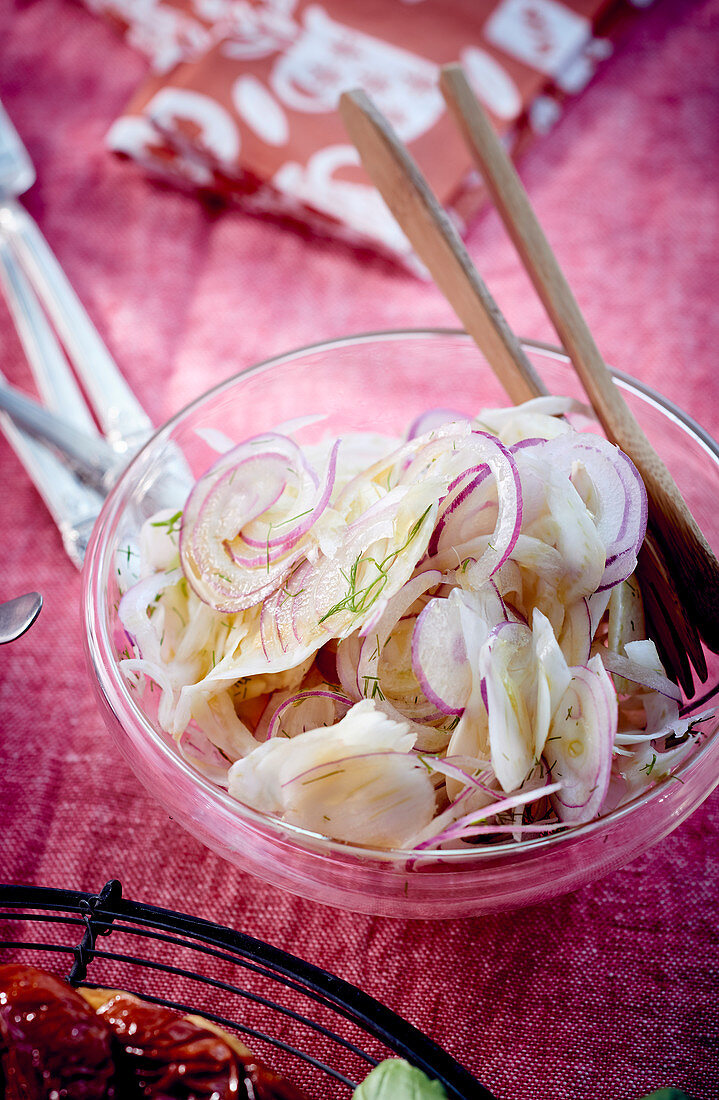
242	100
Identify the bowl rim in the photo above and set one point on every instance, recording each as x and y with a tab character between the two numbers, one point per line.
116	689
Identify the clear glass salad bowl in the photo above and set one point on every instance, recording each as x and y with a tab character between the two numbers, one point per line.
376	382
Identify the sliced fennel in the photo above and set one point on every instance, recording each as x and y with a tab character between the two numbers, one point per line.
431	642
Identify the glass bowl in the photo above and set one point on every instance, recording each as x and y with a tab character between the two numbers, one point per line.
378	382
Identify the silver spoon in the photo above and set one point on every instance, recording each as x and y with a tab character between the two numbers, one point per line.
16	616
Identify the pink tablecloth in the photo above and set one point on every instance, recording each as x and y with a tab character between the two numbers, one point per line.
603	994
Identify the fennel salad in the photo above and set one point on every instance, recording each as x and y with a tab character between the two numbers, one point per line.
418	643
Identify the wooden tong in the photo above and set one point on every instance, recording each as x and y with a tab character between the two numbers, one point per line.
679	573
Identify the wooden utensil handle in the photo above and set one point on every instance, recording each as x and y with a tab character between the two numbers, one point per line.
693	562
437	243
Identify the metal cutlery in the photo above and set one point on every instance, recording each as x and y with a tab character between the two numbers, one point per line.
18	615
55	332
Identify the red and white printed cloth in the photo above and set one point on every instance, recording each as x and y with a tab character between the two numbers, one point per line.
242	101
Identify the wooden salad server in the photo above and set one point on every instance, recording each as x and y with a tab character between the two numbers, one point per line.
679	572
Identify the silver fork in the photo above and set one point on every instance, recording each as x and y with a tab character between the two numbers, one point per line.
55	330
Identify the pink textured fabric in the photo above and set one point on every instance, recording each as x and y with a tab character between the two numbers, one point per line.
607	993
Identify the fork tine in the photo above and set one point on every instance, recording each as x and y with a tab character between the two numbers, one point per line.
675	633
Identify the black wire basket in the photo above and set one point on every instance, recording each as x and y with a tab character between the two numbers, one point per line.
324	1033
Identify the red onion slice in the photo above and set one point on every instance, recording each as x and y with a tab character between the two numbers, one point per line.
307	710
439	655
465	778
377	635
463	521
290	535
559	541
476	824
639	674
619	499
470	495
219	538
447	640
433	419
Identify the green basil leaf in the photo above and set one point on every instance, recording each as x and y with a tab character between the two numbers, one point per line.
668	1094
395	1079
